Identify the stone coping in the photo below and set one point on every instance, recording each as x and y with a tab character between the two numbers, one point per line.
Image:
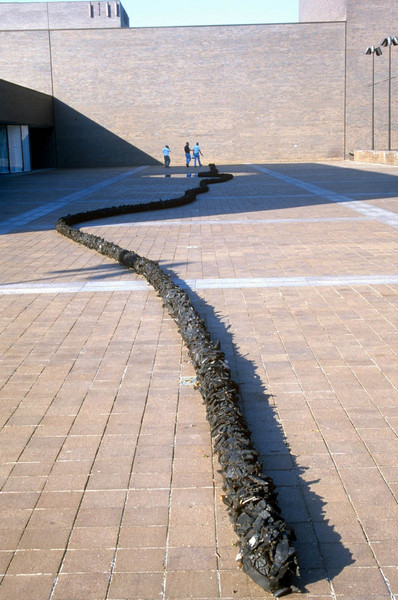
382	157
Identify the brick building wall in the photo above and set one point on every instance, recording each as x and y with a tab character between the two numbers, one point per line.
322	10
23	105
25	59
56	15
86	15
22	15
368	22
246	93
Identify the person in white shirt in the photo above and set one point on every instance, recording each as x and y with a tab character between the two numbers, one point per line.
197	153
166	153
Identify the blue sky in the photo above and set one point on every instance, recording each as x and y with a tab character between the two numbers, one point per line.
209	12
155	13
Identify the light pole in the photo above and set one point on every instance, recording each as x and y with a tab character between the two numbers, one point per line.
373	50
389	41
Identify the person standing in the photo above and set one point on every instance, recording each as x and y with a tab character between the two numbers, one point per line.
188	156
166	153
197	153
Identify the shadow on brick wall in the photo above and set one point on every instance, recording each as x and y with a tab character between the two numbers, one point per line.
22	106
81	142
61	136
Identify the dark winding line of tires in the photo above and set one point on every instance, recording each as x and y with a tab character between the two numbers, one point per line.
266	551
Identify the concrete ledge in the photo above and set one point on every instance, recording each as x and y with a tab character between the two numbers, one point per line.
383	157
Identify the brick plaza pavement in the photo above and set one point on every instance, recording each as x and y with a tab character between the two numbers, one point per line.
109	489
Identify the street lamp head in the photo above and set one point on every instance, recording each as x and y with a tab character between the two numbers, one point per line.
389	41
374	50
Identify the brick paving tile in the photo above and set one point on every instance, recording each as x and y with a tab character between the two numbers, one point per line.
191	558
93	537
140	560
81	585
108	485
31	562
146	516
97	560
145	536
135	586
191	584
34	587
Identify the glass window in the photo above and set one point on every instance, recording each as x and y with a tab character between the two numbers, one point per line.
3	150
25	147
15	148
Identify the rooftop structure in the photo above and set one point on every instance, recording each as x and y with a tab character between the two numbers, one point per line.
22	16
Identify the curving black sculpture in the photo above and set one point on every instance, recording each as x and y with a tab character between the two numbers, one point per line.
266	551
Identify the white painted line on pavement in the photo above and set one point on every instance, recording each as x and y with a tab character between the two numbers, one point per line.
276	282
19	221
200	284
73	287
378	214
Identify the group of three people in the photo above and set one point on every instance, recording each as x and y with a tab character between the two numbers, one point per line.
196	153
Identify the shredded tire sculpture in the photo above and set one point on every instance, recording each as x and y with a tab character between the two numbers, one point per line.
266	553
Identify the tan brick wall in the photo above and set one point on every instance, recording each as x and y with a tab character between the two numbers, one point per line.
368	22
246	93
25	59
23	15
20	105
322	10
61	15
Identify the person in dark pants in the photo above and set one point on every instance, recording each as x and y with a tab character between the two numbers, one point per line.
166	153
188	156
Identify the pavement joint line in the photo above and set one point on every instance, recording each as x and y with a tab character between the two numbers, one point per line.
379	214
32	215
201	284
